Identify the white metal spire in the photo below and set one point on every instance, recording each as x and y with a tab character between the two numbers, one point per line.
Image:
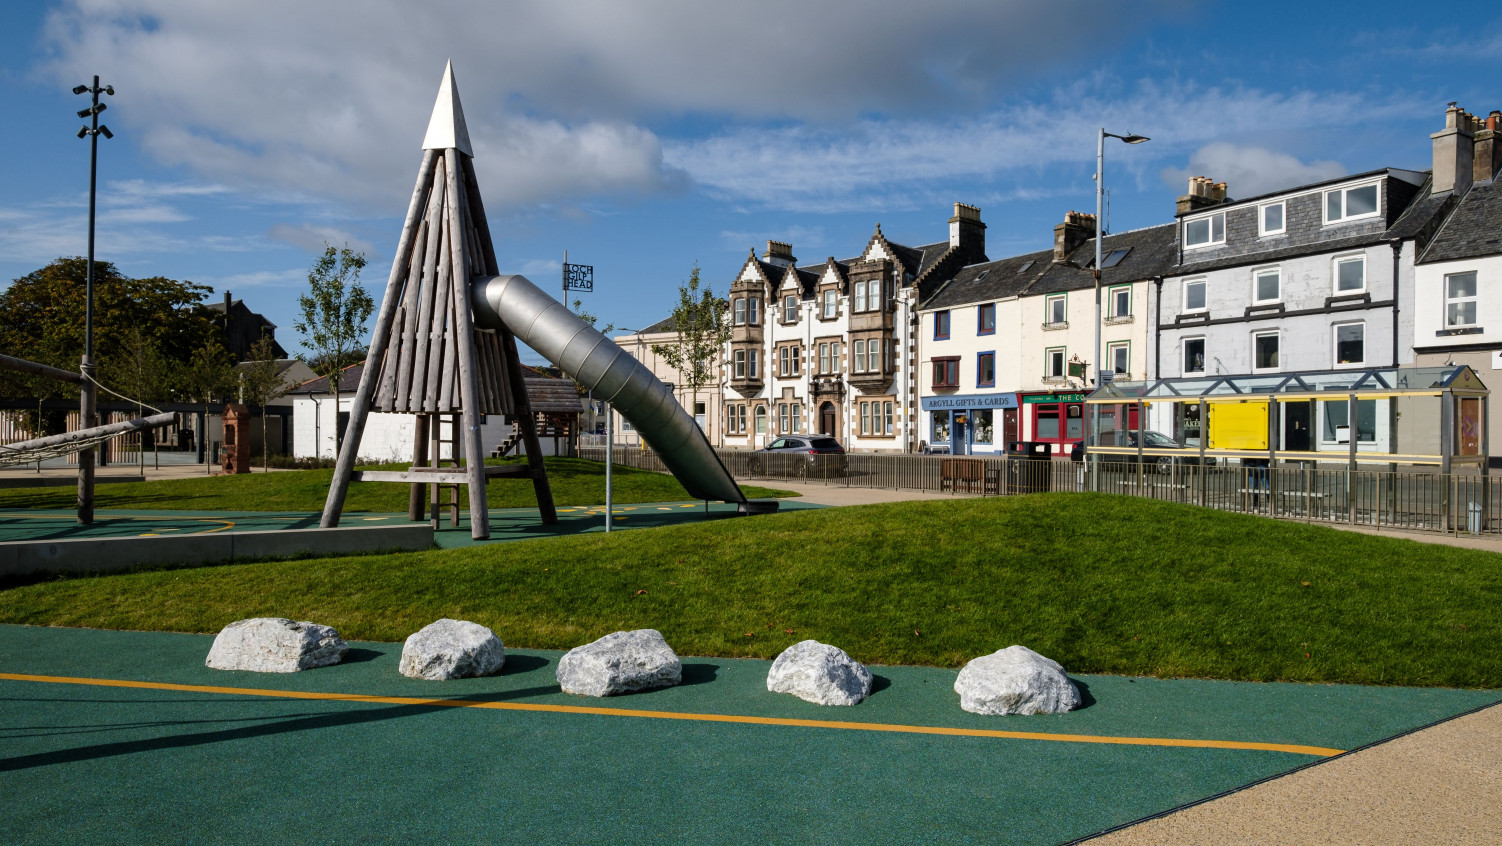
446	129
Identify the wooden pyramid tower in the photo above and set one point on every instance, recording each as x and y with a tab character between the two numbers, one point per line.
426	355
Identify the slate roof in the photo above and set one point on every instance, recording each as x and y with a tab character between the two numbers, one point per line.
1421	213
663	325
1366	239
1152	253
349	382
1474	229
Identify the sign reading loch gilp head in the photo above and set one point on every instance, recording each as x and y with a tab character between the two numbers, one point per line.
970	401
578	277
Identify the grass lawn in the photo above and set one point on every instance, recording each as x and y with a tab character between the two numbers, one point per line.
574	482
1102	584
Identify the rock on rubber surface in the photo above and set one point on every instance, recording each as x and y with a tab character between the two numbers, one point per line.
452	649
1015	680
621	662
819	673
275	645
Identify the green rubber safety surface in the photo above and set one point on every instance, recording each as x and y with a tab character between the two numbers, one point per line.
95	764
505	524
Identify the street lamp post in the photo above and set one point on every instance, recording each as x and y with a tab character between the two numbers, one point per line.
1100	190
87	395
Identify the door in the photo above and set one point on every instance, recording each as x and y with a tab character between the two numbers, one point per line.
826	419
959	435
1297	420
1009	431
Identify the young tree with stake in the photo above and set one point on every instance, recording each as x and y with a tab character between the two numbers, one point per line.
334	312
261	382
699	320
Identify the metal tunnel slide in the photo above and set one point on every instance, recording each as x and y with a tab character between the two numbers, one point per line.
547	326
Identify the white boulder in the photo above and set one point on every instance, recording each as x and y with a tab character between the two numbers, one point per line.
275	645
1015	680
621	662
819	673
452	649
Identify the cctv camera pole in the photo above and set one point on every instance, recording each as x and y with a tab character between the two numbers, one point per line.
87	394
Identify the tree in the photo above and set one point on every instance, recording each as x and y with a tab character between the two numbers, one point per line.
699	320
261	382
208	373
139	371
334	312
42	317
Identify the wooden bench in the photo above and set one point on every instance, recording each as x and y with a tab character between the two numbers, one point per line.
954	472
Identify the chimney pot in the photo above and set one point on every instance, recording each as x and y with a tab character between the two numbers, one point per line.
1454	151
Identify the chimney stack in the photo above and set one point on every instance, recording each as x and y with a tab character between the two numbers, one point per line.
779	254
1455	151
968	233
1488	153
1076	229
1203	193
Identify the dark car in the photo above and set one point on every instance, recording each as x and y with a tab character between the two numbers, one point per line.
800	456
1151	440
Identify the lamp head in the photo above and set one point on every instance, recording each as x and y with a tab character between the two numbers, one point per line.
83	131
79	89
1134	139
85	112
110	90
105	131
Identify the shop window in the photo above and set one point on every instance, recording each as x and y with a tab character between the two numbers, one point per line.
1336	428
1046	427
981	425
1074	422
941	427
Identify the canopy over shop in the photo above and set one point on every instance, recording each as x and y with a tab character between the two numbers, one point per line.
1395	415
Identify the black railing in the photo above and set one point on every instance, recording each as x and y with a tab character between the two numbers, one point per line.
1413	500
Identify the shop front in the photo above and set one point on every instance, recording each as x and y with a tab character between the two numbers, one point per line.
972	424
1055	419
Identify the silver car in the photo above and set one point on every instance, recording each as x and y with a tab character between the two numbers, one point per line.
799	456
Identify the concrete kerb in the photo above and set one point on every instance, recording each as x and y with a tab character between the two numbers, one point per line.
94	555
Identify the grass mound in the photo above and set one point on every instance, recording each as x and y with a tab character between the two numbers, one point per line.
574	481
1102	584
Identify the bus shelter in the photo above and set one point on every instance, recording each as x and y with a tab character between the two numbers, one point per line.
1427	416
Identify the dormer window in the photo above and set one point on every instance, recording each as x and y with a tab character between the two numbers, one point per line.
1271	219
1343	204
790	309
830	304
1205	231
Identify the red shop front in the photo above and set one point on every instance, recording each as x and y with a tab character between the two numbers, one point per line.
1056	419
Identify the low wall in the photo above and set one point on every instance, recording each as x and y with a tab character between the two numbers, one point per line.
97	555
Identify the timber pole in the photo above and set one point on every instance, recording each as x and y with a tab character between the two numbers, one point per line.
345	466
464	335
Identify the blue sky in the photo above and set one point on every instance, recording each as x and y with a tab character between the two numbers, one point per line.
646	137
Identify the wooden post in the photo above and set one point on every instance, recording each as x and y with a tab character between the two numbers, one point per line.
415	505
345	468
464	336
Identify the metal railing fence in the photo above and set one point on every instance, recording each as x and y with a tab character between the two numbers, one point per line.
1413	500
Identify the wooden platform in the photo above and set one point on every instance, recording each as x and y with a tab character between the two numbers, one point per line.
441	476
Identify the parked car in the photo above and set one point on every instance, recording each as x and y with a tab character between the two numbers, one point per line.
1151	440
816	455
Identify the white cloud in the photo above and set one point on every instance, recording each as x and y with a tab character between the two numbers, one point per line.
330	99
259	279
904	164
1250	171
313	239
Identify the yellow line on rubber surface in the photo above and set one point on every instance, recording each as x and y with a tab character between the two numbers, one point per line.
673	715
227	524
